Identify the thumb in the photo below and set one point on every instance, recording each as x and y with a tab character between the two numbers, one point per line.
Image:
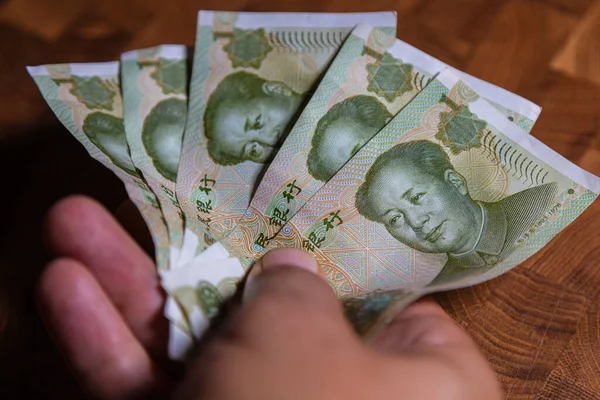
290	272
422	325
281	341
287	294
424	331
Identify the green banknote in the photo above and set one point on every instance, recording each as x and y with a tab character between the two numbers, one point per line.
154	83
86	98
371	79
185	307
400	174
449	194
251	74
201	287
155	92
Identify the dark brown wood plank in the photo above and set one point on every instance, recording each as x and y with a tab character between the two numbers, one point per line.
525	324
520	42
576	373
45	19
580	56
570	114
578	7
470	23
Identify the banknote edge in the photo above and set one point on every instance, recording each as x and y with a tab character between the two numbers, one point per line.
169	51
534	146
79	69
249	19
486	89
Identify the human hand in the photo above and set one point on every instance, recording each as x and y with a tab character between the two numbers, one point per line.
101	299
288	339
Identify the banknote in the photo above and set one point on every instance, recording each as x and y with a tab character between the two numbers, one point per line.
155	89
154	83
177	282
86	98
180	343
201	287
371	79
449	194
251	74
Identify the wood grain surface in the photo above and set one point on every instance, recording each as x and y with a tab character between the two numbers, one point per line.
539	325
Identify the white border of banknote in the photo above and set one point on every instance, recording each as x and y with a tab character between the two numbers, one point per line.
249	19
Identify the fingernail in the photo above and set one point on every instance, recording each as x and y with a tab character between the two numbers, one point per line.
278	258
294	258
249	285
255	270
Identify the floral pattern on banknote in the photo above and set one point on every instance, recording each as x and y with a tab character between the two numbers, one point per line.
205	297
248	47
95	92
389	77
201	287
170	75
459	128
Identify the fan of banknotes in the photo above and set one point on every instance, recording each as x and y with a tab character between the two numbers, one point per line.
402	175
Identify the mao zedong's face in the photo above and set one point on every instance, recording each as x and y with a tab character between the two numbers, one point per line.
425	212
115	147
166	149
107	133
252	130
341	141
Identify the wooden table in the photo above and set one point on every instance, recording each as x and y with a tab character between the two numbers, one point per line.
539	325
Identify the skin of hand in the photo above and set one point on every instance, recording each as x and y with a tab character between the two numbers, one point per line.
287	339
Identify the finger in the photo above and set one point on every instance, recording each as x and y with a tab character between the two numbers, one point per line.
289	273
423	337
81	229
422	324
289	318
285	295
130	218
102	351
